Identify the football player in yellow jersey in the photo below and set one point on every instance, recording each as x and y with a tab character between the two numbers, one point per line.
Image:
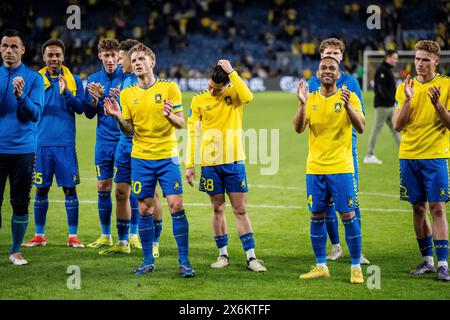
422	115
127	208
330	114
216	121
152	110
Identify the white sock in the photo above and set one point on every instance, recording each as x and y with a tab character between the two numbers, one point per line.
442	263
337	245
106	235
123	243
356	266
133	235
223	251
429	259
250	254
322	265
72	235
39	235
156	244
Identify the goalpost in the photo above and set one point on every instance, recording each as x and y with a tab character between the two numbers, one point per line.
373	58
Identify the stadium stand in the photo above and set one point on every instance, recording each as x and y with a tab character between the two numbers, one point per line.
263	38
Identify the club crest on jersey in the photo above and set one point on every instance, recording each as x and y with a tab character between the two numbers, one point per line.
338	107
208	108
158	98
315	107
228	100
135	101
176	185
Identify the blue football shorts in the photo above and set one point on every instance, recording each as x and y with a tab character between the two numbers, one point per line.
104	160
424	180
122	164
339	187
146	173
230	177
60	162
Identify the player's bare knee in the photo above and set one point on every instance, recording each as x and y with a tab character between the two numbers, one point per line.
42	192
218	207
419	209
144	207
69	191
347	215
437	209
121	195
104	185
318	215
240	210
176	206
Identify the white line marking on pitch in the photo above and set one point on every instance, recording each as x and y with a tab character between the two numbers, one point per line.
266	186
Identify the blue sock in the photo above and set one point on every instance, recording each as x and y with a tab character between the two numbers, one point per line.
18	228
147	233
222	241
105	210
123	227
441	247
318	230
248	242
158	229
72	213
180	227
332	225
426	246
353	238
134	215
40	213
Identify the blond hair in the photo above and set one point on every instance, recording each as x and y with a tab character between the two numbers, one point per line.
142	48
429	46
331	42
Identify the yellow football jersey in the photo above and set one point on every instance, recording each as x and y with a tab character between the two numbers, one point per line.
330	133
217	123
424	136
154	137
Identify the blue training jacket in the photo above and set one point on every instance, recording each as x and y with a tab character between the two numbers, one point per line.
18	116
57	125
107	129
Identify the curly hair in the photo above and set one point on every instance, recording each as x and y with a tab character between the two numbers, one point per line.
429	46
108	45
331	42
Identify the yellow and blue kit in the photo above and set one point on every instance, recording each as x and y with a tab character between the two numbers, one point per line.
329	168
216	123
424	148
155	151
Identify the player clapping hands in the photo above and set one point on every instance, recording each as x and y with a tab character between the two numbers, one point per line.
18	84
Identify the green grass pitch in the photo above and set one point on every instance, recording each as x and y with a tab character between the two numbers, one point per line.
280	219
